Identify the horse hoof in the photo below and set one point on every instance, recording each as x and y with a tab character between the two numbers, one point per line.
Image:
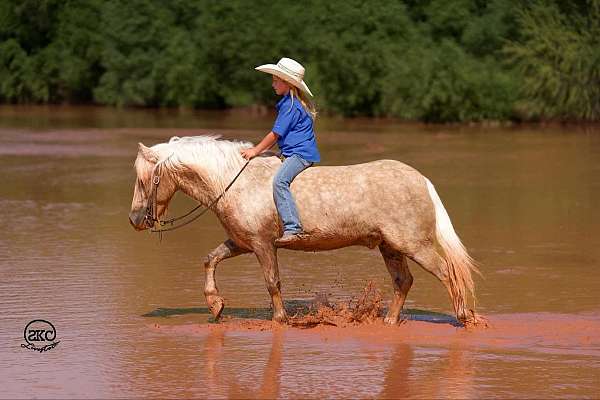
473	320
280	318
215	306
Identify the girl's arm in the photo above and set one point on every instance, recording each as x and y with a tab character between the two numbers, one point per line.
267	142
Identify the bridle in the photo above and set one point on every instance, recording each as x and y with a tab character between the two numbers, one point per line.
151	217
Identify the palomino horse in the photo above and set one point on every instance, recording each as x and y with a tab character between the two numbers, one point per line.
382	203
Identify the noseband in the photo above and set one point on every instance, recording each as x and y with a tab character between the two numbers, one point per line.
151	218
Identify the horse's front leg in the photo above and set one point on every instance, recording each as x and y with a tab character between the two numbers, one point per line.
227	249
267	257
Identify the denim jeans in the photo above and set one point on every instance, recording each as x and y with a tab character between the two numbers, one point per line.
284	201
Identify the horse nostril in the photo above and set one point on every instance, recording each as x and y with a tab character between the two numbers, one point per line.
135	221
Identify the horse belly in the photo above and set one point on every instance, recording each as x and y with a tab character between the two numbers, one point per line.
335	223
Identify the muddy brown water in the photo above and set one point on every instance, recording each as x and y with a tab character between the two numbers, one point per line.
130	314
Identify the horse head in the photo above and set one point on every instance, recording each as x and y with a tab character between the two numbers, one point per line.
153	190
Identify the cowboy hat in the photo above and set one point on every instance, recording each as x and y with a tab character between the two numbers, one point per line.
289	70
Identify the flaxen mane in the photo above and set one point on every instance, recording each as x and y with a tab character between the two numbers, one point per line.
214	157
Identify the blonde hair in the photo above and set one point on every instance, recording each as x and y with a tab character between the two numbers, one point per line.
308	105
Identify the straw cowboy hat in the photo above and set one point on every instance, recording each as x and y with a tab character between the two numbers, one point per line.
289	70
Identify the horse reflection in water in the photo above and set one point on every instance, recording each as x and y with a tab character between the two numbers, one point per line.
220	376
384	204
404	374
450	376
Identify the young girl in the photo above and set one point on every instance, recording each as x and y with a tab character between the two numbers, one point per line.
293	132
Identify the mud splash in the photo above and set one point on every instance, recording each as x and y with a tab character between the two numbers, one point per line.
366	309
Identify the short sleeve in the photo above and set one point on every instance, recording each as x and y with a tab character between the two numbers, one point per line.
284	122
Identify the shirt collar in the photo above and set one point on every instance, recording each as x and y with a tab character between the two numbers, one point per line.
283	100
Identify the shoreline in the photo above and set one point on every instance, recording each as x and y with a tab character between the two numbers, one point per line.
261	111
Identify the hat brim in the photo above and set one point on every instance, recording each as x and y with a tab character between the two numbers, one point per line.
278	72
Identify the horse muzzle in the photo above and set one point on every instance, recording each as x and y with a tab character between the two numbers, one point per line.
138	221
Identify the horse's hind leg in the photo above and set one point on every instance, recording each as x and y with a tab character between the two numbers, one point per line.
428	258
225	250
267	257
401	279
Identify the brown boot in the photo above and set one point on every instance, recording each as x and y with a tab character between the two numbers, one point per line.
290	238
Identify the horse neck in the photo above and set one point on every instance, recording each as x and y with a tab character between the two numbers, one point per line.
205	183
258	172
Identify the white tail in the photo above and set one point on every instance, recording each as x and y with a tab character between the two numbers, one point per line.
458	261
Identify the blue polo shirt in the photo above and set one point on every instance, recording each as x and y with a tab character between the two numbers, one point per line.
294	130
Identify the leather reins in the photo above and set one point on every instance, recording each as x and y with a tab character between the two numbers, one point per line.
152	209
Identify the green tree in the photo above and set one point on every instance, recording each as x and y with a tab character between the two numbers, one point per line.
432	60
351	46
447	71
27	59
559	58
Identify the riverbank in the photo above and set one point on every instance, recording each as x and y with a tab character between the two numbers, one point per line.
253	117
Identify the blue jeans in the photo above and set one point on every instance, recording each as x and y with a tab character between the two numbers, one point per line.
284	201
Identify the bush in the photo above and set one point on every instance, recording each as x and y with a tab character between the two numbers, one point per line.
559	58
431	60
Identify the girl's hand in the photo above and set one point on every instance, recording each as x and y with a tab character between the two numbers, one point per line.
249	154
268	141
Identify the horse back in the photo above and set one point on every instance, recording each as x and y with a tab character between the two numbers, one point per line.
364	201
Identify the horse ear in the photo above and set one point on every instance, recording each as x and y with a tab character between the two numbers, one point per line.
147	153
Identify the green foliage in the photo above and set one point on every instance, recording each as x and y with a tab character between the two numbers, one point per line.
134	37
559	57
449	69
350	53
431	60
441	82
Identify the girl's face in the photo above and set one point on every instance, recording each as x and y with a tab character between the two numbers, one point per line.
280	86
